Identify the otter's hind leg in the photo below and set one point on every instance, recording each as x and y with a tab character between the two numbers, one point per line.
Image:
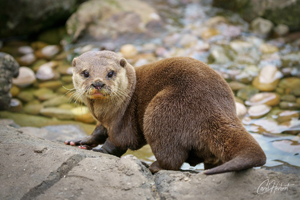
164	131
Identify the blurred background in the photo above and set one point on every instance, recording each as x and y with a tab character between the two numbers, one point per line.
253	44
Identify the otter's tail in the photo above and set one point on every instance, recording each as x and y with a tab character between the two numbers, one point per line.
238	163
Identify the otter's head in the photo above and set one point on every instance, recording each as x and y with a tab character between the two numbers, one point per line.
101	75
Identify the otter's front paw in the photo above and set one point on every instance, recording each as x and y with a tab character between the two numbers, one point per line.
84	143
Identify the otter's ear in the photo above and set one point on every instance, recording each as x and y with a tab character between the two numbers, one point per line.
123	62
74	62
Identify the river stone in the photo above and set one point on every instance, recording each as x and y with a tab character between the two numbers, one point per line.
27	59
289	105
234	85
247	75
67	79
56	101
293	127
208	33
287	146
247	92
261	27
268	48
290	84
26	77
53	85
14	91
298	101
25	50
45	71
37	64
128	51
44	94
85	118
258	111
268	98
33	107
80	110
188	40
287	115
241	110
281	29
241	47
219	55
125	22
288	97
267	79
57	113
25	96
15	105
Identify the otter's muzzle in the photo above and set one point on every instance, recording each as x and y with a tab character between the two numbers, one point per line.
98	85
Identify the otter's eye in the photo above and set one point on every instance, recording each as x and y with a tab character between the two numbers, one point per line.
85	73
110	74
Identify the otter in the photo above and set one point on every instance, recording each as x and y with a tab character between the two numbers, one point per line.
179	106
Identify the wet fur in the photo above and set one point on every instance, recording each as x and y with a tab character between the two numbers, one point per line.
181	107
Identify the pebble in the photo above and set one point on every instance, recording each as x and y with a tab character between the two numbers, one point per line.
268	48
287	115
26	77
188	40
209	32
27	59
14	90
43	93
267	98
219	55
15	105
56	101
45	72
268	78
51	85
241	110
149	47
281	29
128	50
80	110
67	79
261	27
57	113
48	52
25	50
33	107
247	92
289	84
85	118
234	85
287	146
288	97
289	106
25	96
258	111
240	47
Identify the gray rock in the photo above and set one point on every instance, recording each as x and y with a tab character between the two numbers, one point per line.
278	11
36	168
34	15
261	27
9	68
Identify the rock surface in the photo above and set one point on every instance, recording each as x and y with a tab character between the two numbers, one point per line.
43	169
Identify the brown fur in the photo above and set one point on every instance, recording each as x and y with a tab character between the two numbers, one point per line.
181	107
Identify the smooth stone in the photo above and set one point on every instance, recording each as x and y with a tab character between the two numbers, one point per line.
208	33
44	94
85	118
149	47
57	113
287	146
67	79
66	106
234	85
37	64
296	92
248	74
268	48
288	97
241	110
14	90
289	105
64	68
188	40
25	50
247	92
51	85
268	78
15	105
287	115
215	21
267	98
281	29
33	107
261	27
298	101
38	45
293	127
65	89
290	85
219	55
27	59
141	62
26	77
128	50
241	47
25	96
48	52
56	101
258	111
239	100
80	110
45	72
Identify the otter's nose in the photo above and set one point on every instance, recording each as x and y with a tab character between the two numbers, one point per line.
98	85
